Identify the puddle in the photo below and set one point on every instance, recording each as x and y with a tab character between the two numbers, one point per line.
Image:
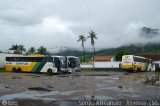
107	77
36	95
16	77
40	89
97	75
76	75
89	97
63	76
40	95
126	74
32	75
105	87
1	87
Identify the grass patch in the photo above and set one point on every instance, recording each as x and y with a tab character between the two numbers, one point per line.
88	72
2	70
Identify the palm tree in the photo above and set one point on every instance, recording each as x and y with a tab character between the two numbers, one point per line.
82	38
93	36
31	50
21	49
15	48
42	50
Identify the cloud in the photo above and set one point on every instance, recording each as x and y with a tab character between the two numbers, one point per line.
59	22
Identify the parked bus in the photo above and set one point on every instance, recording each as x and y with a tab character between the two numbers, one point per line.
3	58
136	63
60	63
73	63
30	64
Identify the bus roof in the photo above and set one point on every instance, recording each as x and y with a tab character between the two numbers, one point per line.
136	56
56	56
72	57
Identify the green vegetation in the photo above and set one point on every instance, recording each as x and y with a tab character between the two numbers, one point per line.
42	50
2	70
149	48
18	49
32	50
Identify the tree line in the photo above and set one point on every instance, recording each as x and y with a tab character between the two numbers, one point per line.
19	49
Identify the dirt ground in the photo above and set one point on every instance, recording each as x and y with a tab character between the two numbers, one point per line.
109	86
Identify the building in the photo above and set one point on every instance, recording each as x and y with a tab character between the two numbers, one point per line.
102	58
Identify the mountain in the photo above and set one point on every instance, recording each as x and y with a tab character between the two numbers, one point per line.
149	32
149	48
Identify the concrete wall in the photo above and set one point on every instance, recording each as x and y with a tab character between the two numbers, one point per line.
102	65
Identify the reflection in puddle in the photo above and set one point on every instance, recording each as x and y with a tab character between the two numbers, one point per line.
88	97
141	76
3	87
37	95
40	89
107	77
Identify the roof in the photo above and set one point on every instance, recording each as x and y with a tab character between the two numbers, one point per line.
102	58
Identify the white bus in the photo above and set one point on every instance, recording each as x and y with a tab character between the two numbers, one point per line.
136	63
60	63
73	63
31	64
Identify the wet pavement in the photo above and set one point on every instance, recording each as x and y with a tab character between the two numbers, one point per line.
110	86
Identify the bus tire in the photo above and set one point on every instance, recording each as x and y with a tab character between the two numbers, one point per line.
14	70
19	70
49	72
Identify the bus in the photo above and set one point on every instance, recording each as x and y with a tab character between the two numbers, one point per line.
30	64
134	63
73	63
60	63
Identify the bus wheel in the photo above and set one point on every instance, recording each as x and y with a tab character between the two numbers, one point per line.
49	72
19	70
14	70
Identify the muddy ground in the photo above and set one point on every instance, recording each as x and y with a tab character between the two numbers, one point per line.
76	86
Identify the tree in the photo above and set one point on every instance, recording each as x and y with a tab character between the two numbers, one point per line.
92	36
82	38
15	48
31	50
18	49
118	56
42	50
21	49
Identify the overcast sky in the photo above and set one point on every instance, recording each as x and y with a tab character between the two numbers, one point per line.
55	23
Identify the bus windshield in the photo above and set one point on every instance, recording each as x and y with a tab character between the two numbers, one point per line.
60	62
74	62
63	62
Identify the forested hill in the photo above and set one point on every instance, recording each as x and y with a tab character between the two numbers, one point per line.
149	48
